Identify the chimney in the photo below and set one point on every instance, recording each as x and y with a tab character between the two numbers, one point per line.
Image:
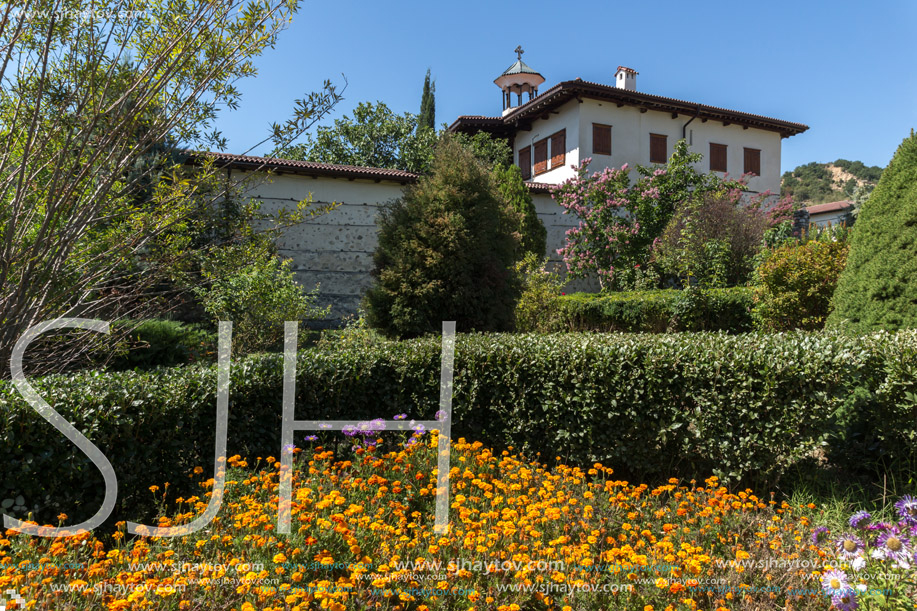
626	78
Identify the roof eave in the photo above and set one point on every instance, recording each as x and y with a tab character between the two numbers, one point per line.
563	92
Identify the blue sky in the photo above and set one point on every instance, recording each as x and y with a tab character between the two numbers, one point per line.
846	69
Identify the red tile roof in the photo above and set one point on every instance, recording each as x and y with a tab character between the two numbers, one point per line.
311	168
308	168
568	90
829	207
626	69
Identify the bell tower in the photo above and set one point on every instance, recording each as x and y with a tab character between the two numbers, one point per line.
518	78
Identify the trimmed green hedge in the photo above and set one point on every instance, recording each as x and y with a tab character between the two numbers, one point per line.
657	311
651	406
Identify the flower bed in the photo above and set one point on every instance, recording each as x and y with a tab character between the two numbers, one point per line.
522	536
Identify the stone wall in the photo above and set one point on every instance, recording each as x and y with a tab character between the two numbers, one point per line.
334	250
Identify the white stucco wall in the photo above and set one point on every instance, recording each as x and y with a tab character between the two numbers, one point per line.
824	219
567	118
630	140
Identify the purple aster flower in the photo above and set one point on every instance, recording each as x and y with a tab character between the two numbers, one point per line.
845	600
410	442
849	546
311	438
324	425
893	545
820	534
401	417
440	415
859	518
834	582
907	509
419	428
349	430
289	448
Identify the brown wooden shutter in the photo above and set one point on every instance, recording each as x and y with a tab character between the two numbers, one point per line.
558	149
753	161
717	157
525	162
658	149
541	156
601	139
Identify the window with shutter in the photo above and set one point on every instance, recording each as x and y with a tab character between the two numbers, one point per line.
525	162
658	148
717	157
558	149
601	139
541	156
753	161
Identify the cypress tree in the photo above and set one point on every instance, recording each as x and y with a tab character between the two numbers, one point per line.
878	288
446	251
427	117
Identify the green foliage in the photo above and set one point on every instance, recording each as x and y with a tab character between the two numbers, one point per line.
354	332
93	108
711	242
619	222
427	117
257	291
446	252
653	311
860	170
795	282
878	289
650	406
541	288
165	343
533	235
375	137
813	183
489	150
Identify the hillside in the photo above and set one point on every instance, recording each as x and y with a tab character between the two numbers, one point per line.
817	183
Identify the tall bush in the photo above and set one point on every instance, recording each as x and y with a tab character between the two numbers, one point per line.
878	289
446	252
711	241
795	283
257	291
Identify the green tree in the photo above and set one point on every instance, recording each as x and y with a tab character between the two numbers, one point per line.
878	288
91	106
375	137
532	233
446	252
490	150
427	117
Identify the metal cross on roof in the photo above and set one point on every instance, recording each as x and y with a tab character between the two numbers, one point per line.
518	51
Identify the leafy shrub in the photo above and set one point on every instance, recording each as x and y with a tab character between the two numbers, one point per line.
446	252
795	283
711	241
165	343
656	311
540	290
257	291
618	222
878	289
650	406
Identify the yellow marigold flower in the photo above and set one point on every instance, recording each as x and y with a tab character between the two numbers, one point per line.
279	558
154	489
